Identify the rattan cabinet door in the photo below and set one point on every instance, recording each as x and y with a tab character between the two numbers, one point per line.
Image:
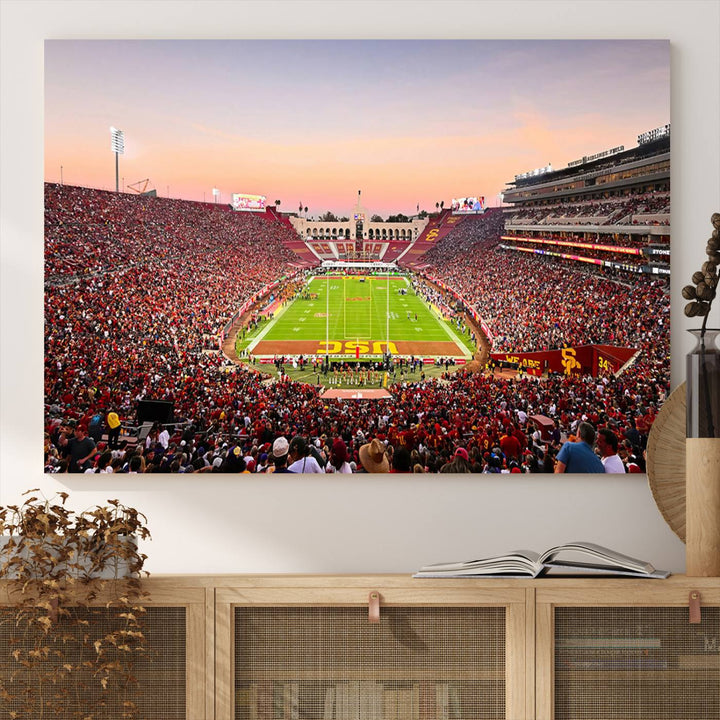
166	680
625	660
153	680
631	662
328	662
332	663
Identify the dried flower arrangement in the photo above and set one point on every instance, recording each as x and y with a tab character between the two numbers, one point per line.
703	292
70	610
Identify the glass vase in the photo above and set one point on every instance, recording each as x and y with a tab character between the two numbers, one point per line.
703	385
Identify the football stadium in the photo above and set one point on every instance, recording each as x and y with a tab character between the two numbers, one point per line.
186	336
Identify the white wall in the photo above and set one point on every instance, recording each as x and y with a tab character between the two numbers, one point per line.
357	524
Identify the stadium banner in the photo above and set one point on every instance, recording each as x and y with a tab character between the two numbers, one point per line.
244	202
593	360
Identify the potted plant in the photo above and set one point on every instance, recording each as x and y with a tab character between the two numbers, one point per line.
70	610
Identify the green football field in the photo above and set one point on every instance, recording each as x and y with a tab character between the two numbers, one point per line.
337	314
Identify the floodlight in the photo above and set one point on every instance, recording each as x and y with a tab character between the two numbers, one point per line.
117	145
117	141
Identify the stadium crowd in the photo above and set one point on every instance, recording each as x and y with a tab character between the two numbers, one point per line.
534	303
601	212
237	417
138	288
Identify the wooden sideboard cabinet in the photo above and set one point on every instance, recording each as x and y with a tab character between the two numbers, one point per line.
271	647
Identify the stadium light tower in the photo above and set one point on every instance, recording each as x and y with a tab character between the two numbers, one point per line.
117	145
215	193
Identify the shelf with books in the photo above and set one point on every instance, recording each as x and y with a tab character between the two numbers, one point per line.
632	655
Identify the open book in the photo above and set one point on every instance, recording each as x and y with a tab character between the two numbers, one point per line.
571	559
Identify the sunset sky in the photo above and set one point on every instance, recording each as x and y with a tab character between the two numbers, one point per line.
406	122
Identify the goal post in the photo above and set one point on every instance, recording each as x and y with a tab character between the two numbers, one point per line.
356	310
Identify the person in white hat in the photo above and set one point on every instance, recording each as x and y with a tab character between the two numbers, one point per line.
279	456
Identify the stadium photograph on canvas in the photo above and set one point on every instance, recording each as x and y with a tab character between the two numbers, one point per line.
356	256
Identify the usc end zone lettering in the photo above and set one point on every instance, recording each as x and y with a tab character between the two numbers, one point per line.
432	235
335	347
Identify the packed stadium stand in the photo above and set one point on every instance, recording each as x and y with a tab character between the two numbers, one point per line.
437	229
138	289
93	231
391	251
611	211
274	213
538	284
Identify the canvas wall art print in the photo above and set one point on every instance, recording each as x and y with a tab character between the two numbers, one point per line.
355	256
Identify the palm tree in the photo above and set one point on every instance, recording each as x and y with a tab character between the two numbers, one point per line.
305	212
437	207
